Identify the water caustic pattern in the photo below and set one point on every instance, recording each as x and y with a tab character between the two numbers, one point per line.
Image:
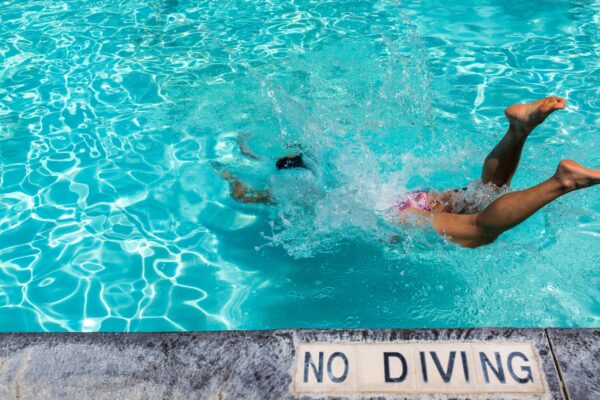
112	113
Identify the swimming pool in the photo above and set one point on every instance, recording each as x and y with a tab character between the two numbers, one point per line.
113	218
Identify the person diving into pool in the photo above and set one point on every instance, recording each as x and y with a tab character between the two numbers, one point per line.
472	229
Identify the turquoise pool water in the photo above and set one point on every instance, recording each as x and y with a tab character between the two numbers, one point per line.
111	113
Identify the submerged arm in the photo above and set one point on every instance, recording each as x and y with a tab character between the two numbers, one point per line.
242	193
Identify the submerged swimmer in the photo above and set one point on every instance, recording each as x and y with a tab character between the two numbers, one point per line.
474	229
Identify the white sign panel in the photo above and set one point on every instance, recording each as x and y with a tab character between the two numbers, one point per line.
418	367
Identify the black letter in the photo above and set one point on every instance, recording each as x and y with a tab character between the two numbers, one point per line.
529	377
423	366
446	375
343	377
498	372
318	372
386	367
463	356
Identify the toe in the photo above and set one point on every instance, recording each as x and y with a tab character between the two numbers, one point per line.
552	103
556	101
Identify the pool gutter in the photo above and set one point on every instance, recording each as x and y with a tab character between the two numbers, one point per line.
264	364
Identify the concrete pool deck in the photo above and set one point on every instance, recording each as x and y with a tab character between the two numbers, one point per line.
304	364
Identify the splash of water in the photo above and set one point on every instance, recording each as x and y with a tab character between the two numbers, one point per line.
354	116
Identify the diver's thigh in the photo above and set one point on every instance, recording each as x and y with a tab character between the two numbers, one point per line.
459	228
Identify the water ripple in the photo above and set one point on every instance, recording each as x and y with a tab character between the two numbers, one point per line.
111	217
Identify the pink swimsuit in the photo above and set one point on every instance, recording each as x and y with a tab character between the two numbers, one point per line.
416	199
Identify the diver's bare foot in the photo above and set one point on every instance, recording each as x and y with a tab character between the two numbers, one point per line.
525	117
572	175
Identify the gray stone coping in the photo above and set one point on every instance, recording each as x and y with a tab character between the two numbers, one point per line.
577	353
254	364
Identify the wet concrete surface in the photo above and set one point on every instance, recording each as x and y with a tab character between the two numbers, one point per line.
253	364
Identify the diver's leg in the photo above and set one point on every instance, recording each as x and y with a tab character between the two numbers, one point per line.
513	208
501	164
459	228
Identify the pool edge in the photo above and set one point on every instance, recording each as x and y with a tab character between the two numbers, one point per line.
248	364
